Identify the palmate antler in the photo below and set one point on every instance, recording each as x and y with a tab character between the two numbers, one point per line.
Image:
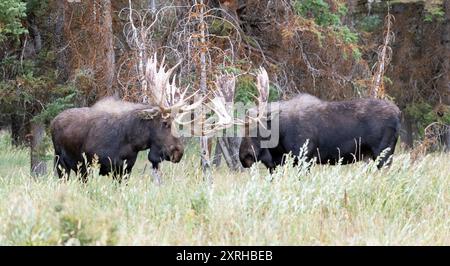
164	92
224	93
262	85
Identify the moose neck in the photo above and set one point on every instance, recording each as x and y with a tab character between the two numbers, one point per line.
141	133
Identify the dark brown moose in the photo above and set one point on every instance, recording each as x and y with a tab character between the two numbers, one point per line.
114	131
345	132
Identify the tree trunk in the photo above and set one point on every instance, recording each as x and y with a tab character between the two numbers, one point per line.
62	55
205	154
229	146
406	132
108	38
352	6
230	150
445	80
19	129
37	149
447	140
217	160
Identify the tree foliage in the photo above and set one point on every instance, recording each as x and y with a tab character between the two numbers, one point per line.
321	12
11	14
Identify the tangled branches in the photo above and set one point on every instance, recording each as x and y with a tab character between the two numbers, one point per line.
433	137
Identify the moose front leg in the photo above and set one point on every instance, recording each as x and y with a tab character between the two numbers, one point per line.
156	173
155	159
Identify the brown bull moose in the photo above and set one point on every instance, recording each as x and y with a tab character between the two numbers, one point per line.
337	132
115	130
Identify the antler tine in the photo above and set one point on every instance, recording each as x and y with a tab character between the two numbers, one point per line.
218	105
163	90
194	105
223	118
225	87
262	85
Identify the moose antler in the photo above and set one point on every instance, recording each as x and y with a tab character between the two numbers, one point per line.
262	85
258	114
225	89
224	93
170	98
164	92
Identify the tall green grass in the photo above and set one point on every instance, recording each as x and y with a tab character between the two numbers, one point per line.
407	204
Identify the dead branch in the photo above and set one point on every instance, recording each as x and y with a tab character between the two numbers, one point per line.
384	58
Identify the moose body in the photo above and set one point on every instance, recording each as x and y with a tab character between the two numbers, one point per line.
337	132
114	131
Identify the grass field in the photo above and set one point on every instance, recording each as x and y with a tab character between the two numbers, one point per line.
407	204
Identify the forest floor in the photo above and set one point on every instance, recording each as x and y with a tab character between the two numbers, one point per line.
407	204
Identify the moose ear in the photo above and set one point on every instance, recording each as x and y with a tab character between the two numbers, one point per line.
149	113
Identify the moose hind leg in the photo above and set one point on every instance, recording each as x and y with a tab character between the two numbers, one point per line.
61	167
81	171
126	168
117	173
389	141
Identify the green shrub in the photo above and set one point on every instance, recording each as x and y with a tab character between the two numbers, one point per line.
424	115
199	203
246	91
11	13
369	23
434	13
319	10
54	108
346	35
321	13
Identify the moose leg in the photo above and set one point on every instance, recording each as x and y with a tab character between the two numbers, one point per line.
389	141
127	172
121	173
156	173
116	173
82	172
302	149
61	167
277	159
127	167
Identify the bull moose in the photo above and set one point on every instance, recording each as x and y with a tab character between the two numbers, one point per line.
337	132
115	131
